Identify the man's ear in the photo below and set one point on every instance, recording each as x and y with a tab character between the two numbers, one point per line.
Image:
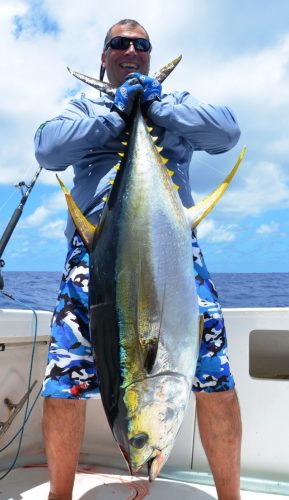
103	59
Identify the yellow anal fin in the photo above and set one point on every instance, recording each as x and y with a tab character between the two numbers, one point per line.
199	211
85	229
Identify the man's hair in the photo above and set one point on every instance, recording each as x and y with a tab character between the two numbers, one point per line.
131	22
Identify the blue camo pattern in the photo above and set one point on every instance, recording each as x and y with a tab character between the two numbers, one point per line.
71	372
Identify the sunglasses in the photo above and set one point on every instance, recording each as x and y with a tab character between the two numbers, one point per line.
123	43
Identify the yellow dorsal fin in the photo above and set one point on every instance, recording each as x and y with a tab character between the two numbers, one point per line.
199	211
85	229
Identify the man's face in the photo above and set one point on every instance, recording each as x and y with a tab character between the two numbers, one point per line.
119	63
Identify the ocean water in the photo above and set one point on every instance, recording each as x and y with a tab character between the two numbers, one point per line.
39	289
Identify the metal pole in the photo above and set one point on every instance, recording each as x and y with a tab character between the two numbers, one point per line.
13	222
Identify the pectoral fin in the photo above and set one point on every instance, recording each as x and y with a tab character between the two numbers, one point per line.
199	211
85	229
148	328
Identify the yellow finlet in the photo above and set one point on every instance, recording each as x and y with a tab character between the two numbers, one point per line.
199	211
159	148
150	129
117	166
176	186
111	182
170	172
105	198
154	138
124	143
164	160
85	229
121	154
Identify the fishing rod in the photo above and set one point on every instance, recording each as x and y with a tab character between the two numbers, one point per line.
15	218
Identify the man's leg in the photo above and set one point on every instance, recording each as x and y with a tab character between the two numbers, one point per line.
220	430
63	429
70	376
217	403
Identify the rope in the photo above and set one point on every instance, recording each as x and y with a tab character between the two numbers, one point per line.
27	411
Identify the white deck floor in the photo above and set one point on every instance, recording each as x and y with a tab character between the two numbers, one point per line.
31	483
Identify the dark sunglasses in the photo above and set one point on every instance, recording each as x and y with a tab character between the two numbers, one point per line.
123	43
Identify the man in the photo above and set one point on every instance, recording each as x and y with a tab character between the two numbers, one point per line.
88	135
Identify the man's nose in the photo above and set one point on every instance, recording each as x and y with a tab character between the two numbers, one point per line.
131	47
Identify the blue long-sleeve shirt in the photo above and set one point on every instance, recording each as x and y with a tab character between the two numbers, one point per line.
88	136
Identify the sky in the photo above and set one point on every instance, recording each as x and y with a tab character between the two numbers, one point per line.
233	53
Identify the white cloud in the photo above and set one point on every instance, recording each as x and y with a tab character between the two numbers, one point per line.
261	77
52	205
261	187
270	228
35	219
11	8
214	232
53	230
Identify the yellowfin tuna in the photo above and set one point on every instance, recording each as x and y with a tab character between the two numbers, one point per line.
144	314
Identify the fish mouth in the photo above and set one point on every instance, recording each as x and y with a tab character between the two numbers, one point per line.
154	464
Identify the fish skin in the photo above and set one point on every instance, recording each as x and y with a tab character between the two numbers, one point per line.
143	299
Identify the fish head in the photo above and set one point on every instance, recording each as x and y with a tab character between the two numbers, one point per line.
155	409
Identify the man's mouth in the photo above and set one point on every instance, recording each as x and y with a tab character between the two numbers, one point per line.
132	66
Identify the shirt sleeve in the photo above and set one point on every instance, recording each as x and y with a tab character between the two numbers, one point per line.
206	127
69	137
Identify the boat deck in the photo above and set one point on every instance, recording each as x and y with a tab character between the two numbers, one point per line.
31	483
259	353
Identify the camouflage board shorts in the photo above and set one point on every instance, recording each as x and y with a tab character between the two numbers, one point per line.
71	372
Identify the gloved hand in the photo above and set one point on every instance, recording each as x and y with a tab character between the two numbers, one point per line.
125	96
152	88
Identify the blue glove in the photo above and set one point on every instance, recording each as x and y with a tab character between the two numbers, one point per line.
152	88
125	96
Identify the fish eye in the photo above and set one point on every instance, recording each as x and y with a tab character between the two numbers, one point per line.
139	440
